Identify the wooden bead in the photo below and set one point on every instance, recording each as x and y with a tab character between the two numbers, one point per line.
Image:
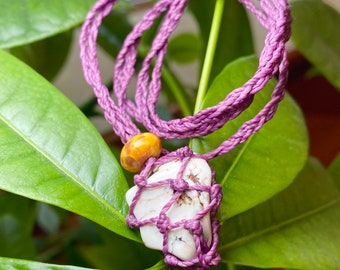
138	149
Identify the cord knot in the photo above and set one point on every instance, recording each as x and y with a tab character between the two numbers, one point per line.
179	184
194	226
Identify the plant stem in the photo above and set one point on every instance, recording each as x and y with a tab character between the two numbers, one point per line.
210	53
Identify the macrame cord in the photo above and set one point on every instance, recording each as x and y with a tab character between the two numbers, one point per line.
274	15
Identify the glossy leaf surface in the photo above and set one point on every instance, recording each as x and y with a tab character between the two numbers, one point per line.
50	152
298	228
14	264
25	21
269	160
317	37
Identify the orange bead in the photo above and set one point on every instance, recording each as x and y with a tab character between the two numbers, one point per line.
138	149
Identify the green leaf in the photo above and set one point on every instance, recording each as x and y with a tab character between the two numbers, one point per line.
48	218
14	242
149	35
235	38
17	215
23	209
316	36
14	264
298	228
46	56
123	4
26	21
159	266
243	267
269	160
184	48
118	253
50	152
112	32
334	170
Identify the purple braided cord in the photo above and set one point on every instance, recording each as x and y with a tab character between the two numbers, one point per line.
273	15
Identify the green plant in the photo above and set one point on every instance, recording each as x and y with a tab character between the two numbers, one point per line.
280	208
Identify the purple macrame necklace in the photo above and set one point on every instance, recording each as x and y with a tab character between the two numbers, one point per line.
179	187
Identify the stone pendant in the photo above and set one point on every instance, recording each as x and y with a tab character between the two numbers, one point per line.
152	200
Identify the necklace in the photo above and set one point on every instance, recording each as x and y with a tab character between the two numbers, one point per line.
175	197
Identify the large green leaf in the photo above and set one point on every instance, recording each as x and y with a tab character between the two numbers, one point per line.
115	252
235	38
50	152
269	160
25	21
14	264
17	215
46	56
315	34
298	228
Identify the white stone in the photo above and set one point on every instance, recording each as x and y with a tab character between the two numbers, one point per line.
181	242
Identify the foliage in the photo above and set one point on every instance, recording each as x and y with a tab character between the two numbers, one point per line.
310	37
62	197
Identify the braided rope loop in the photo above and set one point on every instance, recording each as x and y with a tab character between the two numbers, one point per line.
273	15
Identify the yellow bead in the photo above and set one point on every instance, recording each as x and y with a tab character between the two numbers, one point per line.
138	149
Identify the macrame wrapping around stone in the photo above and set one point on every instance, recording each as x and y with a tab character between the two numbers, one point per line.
168	174
174	203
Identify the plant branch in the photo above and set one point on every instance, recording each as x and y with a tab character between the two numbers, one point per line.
210	53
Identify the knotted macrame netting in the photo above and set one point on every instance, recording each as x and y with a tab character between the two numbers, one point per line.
274	16
207	255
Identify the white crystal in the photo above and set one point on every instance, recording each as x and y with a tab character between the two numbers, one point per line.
181	242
